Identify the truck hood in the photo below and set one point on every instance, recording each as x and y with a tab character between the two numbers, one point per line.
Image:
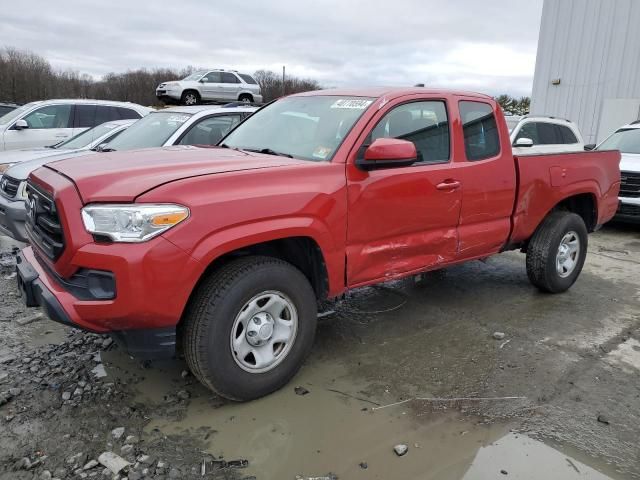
630	163
123	176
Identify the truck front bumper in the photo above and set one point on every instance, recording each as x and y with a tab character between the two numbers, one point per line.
12	218
628	210
129	316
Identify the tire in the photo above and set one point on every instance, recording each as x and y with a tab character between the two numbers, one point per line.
212	322
547	265
190	97
245	97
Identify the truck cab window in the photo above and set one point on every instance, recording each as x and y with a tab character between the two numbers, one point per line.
481	139
423	123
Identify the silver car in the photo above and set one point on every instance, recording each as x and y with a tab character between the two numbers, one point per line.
20	163
211	85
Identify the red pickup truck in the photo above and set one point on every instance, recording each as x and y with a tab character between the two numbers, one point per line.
226	251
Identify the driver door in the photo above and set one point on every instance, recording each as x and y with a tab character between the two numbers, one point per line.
46	126
404	219
211	86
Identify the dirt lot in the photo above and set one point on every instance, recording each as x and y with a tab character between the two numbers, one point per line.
560	388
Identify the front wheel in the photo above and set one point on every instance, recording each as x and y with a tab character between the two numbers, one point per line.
249	327
557	251
190	97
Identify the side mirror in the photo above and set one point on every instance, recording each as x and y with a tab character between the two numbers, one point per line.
524	142
203	80
388	153
590	146
21	125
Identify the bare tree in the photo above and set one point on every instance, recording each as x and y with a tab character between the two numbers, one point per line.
26	76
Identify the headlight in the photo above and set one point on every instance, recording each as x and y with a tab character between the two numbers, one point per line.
134	222
4	166
22	191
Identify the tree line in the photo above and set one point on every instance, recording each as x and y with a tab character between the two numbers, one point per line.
26	76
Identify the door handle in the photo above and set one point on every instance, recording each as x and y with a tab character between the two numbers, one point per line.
62	135
449	185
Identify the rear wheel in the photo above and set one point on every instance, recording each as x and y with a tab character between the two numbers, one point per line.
557	251
246	98
249	327
190	97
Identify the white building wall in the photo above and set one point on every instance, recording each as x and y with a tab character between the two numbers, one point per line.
593	47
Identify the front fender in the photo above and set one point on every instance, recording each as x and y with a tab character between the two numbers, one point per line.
237	237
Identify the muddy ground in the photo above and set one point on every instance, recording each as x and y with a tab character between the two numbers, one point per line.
561	387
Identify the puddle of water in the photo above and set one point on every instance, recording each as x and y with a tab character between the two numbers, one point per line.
524	458
285	434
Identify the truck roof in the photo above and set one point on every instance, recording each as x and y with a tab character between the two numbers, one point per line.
377	92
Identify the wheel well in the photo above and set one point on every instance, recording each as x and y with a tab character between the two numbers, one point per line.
583	205
301	252
245	95
188	90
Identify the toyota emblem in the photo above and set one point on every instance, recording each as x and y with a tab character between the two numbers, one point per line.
32	209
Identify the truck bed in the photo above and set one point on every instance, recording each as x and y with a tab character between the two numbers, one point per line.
546	180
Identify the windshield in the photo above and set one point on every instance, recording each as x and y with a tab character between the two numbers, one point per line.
87	137
150	131
626	140
13	114
308	128
194	76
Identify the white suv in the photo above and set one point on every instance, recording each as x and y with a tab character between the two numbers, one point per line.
39	124
535	135
211	85
627	140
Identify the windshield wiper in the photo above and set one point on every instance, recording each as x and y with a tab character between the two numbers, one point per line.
268	151
105	149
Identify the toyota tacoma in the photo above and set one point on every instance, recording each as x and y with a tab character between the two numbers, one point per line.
224	253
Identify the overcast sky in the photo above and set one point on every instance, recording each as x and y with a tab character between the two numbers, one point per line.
487	46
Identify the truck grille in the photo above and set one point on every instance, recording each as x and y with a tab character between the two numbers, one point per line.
629	210
9	186
630	185
43	223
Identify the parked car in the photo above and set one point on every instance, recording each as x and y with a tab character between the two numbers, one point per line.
627	140
211	85
512	121
21	163
201	125
38	124
7	107
534	135
314	194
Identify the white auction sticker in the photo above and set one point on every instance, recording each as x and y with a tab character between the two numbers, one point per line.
178	118
351	103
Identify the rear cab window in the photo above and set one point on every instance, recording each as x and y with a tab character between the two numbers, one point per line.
481	138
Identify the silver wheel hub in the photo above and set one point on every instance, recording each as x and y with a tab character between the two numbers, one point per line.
264	332
568	254
260	329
